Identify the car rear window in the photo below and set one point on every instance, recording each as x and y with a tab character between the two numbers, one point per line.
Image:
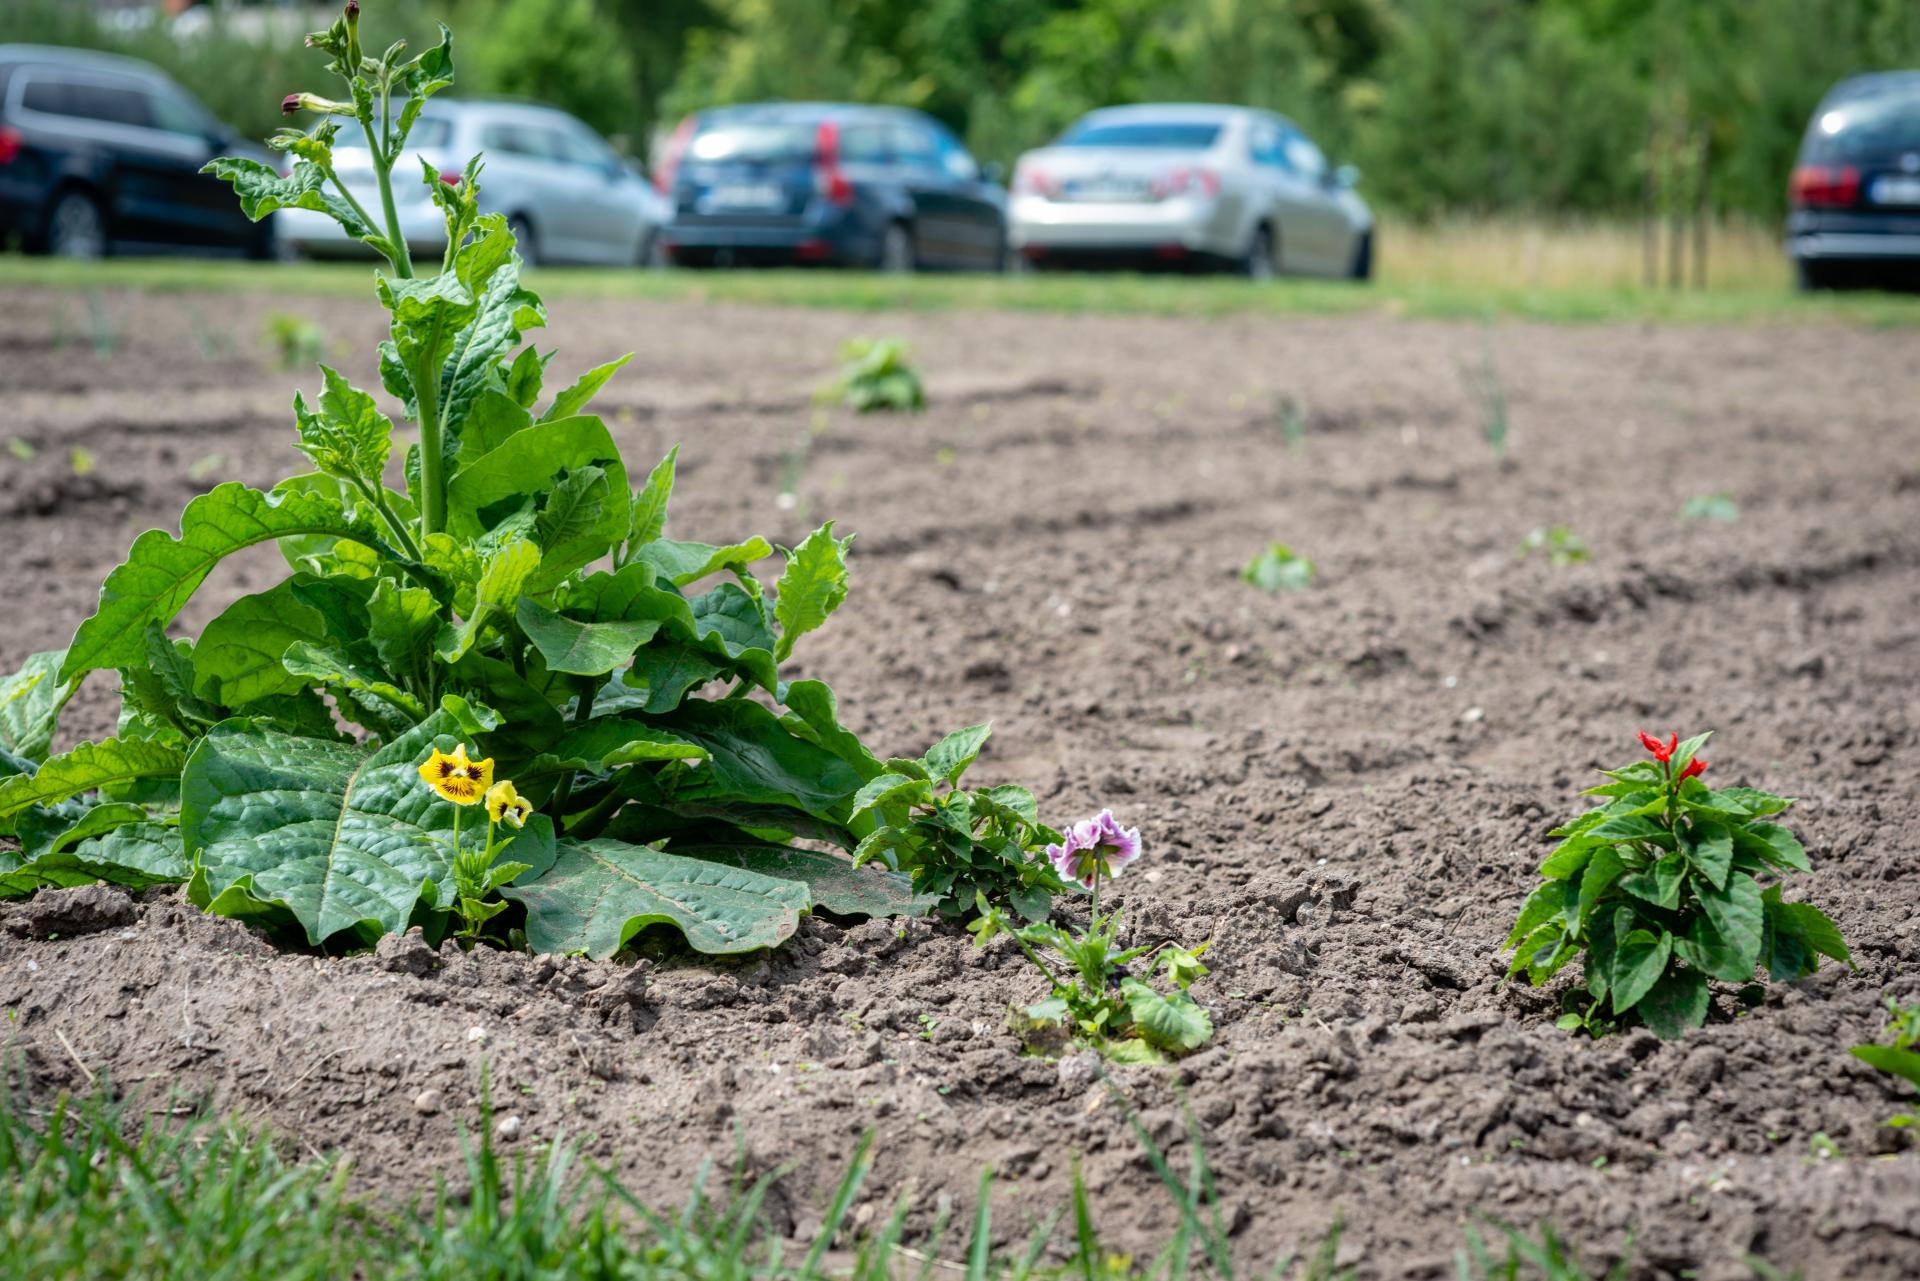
1870	127
428	131
1157	135
108	101
755	140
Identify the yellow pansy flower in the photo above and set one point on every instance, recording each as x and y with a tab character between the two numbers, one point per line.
504	805
460	780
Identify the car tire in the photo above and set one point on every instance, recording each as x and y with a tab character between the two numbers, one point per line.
75	226
1363	257
525	240
1261	261
897	255
653	251
1812	276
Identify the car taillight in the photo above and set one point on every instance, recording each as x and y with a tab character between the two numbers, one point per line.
1176	182
669	166
1032	180
1825	186
828	180
10	143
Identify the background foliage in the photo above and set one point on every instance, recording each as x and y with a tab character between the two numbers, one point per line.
1563	106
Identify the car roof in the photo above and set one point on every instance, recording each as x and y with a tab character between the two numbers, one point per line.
1871	84
807	112
1186	112
46	55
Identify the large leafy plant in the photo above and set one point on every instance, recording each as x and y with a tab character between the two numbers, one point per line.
517	594
1665	886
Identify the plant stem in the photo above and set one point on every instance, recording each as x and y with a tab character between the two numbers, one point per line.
378	498
582	710
402	257
433	487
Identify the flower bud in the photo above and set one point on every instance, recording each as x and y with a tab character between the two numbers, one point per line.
353	10
289	104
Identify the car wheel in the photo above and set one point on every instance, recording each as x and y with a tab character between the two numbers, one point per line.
75	227
525	240
896	249
1259	262
1363	257
653	251
1810	276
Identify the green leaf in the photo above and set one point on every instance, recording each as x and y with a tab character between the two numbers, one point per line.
1544	904
136	855
51	831
491	270
1568	857
1817	930
668	672
811	587
836	885
240	654
30	703
580	648
261	191
401	621
609	741
758	762
1737	915
1774	844
1709	847
576	398
1705	950
891	791
1173	1023
1639	959
949	758
1683	755
570	525
502	580
1595	880
1659	884
339	834
333	668
1628	827
650	504
1888	1058
685	563
599	894
346	436
1754	801
89	767
161	572
529	462
1674	1004
815	716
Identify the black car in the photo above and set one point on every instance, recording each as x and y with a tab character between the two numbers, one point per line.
99	153
828	183
1855	193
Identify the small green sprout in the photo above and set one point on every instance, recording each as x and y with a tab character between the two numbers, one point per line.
1562	546
1277	569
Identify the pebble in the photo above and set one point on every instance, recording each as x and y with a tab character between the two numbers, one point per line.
476	1036
427	1102
508	1128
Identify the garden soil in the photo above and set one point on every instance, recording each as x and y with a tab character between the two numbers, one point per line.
1345	789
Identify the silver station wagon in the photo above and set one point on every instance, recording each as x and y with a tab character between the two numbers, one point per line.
1189	184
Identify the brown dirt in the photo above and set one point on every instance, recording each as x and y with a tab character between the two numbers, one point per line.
1346	789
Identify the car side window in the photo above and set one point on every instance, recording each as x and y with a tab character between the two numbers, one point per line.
576	147
513	140
863	145
1306	157
915	147
176	115
954	158
1264	145
105	101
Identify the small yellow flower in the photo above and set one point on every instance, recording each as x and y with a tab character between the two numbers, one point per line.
504	805
460	780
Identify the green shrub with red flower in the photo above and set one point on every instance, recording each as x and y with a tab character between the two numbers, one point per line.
1668	885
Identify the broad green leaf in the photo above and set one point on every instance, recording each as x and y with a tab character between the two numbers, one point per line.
346	435
577	397
1598	963
30	703
89	767
1568	857
1627	828
1709	847
1888	1058
331	667
581	648
1660	884
1754	801
1736	912
836	885
1705	950
528	463
400	623
1595	880
1173	1023
609	741
727	623
668	671
736	617
570	525
758	762
1683	755
1015	799
599	894
161	572
1773	843
650	504
429	312
493	416
135	855
684	563
52	831
239	656
1819	932
811	587
1675	1003
502	580
261	191
949	758
338	834
1542	905
815	716
891	791
1639	959
505	309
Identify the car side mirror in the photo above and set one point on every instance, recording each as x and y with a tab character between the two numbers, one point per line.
1346	177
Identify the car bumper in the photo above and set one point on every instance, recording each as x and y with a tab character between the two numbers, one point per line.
1036	225
1853	235
312	232
807	241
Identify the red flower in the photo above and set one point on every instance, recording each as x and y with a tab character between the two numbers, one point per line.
1662	752
1695	767
291	104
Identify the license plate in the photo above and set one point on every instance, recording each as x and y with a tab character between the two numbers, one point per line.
746	196
1106	189
1894	191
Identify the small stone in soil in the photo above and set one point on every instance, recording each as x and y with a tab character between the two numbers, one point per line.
427	1102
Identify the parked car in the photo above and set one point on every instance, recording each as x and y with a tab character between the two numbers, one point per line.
878	187
1855	192
1186	184
568	196
101	153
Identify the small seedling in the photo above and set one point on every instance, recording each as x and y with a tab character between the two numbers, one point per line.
22	449
1483	386
876	376
1899	1057
1293	422
298	342
1659	889
1277	569
1710	507
80	459
102	327
1562	546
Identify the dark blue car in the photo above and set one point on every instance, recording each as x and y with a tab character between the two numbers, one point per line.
783	183
1855	192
